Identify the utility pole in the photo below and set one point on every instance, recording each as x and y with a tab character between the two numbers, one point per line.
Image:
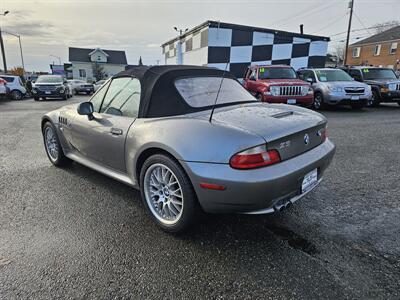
179	45
20	47
2	45
351	5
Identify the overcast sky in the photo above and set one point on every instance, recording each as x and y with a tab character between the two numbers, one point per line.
49	27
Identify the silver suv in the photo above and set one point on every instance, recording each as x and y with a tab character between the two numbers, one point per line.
336	87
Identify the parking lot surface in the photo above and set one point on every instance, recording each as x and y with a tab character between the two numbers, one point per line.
74	233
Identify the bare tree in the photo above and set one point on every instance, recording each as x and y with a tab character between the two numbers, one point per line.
98	71
381	27
339	50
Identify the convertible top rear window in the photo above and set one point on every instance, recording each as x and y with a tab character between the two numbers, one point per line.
202	91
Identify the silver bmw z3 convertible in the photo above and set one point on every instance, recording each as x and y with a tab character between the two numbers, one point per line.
193	140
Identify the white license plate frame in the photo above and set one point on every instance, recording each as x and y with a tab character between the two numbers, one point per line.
355	98
310	180
291	101
47	92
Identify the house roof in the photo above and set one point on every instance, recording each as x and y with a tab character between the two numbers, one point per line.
387	35
218	24
83	55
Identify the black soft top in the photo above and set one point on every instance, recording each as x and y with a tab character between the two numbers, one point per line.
159	96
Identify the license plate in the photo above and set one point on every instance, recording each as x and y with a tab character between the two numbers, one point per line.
88	90
291	101
309	181
47	92
355	97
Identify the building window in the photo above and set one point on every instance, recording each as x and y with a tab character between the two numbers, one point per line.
393	48
377	50
356	52
82	73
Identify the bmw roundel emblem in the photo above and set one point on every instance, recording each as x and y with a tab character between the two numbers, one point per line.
306	139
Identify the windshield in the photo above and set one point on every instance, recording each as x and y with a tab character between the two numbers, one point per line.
49	79
276	73
332	75
202	91
378	74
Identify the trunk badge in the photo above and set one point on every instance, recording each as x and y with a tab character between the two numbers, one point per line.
306	139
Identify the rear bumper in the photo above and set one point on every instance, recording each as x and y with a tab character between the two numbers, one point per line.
301	100
85	89
249	191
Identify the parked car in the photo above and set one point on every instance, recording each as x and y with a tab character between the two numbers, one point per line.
384	83
14	83
50	86
80	86
335	87
4	89
154	128
98	84
277	84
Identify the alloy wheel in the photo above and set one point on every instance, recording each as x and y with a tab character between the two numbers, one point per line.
163	194
51	143
318	101
16	95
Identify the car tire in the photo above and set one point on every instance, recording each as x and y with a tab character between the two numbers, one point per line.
44	98
16	95
36	98
53	147
65	97
318	103
76	92
375	101
177	206
357	106
259	97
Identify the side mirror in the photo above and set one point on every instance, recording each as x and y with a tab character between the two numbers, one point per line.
310	80
252	78
86	109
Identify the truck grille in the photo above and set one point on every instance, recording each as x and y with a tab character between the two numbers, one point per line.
290	91
46	87
351	90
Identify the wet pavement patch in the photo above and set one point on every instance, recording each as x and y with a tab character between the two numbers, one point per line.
294	240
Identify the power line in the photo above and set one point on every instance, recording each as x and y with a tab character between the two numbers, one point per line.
330	24
361	22
303	14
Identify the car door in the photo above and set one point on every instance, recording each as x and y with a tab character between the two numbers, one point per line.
102	139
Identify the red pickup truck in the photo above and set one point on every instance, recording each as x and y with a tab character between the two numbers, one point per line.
277	84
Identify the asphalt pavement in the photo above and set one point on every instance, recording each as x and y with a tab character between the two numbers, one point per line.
74	233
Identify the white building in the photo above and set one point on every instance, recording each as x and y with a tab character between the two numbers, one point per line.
220	45
83	61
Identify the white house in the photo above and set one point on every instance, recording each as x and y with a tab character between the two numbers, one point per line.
83	61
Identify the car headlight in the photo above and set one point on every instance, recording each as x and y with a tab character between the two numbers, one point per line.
384	89
304	90
275	90
392	86
335	89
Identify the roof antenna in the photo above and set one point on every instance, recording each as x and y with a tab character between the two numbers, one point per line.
219	89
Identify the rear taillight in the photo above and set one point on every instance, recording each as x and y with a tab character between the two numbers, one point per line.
3	82
254	158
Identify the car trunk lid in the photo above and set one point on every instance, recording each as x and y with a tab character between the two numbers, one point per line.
290	130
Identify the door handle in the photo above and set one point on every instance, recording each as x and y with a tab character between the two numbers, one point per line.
116	131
